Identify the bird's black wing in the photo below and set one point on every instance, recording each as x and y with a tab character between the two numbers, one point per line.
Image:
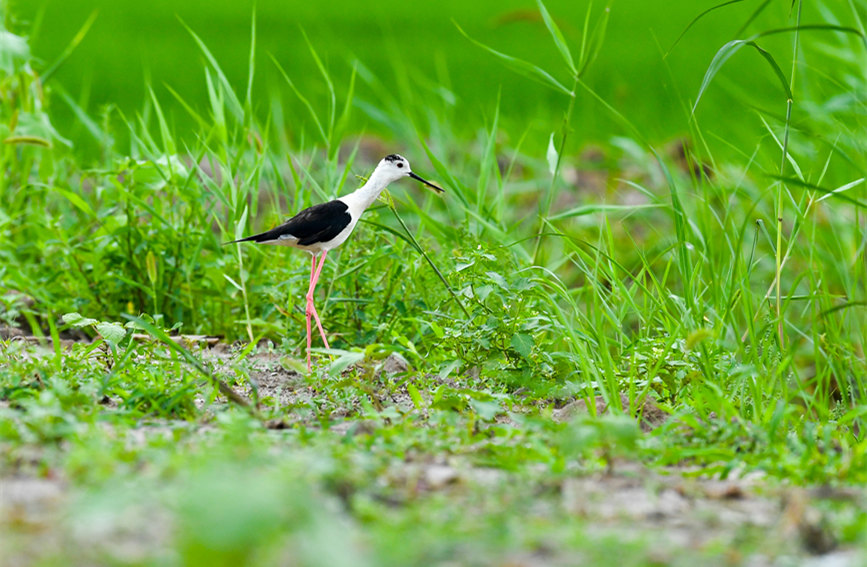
319	223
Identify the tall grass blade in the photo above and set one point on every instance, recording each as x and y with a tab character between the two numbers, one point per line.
695	20
234	104
590	48
520	66
251	64
70	48
557	36
725	53
730	48
602	208
837	193
168	141
430	262
332	106
755	14
323	134
343	120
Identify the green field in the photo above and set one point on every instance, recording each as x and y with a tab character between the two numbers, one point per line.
695	278
419	56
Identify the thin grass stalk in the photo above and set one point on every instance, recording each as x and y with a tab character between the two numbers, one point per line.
545	211
781	187
429	261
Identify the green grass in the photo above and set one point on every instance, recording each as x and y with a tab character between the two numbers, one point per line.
551	270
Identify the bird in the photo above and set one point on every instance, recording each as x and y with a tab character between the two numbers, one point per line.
325	226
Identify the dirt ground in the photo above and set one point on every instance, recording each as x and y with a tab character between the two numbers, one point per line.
670	508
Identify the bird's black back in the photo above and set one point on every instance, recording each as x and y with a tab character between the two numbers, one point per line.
319	223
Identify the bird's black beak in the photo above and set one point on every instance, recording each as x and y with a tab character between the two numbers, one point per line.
428	183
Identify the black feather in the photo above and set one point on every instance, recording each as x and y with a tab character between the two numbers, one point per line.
319	223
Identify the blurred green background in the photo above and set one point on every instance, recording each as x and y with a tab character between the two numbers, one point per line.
132	44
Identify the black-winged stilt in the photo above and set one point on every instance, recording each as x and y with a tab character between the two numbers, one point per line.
325	226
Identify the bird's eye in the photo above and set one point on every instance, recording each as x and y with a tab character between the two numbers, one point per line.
399	164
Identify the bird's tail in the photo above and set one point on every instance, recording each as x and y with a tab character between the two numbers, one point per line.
253	238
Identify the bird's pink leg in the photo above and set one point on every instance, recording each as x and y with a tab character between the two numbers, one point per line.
310	298
311	308
309	312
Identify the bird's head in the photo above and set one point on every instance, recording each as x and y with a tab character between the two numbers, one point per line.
394	167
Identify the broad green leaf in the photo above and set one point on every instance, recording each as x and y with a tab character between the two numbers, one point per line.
523	344
345	359
111	332
497	279
437	330
76	200
486	410
76	320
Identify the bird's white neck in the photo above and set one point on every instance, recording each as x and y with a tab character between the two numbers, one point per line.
365	195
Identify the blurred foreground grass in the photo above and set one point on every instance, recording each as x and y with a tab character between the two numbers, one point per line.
630	271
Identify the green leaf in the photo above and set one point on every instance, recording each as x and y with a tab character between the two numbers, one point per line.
498	279
233	103
523	344
522	67
730	48
437	330
557	36
163	337
76	200
302	98
486	410
151	266
602	208
345	359
73	45
591	46
111	332
234	283
552	155
695	20
28	140
414	395
724	54
251	62
76	320
240	226
837	193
